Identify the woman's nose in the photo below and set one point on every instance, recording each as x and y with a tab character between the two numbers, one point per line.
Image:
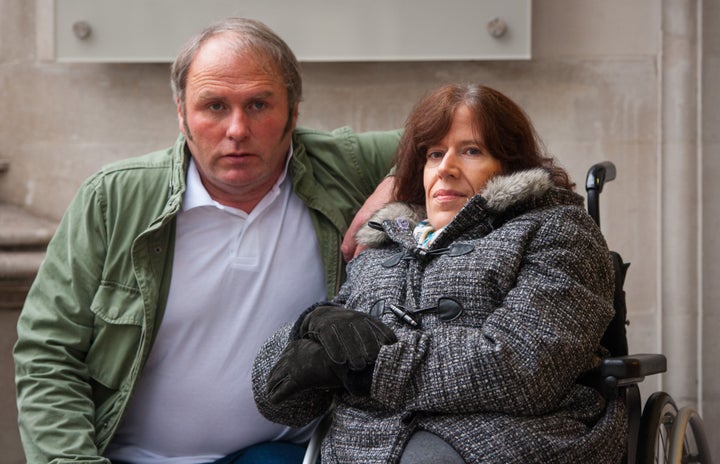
449	164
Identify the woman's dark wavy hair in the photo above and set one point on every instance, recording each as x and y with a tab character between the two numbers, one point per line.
506	131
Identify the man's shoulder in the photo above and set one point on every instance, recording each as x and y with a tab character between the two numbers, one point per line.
311	137
345	139
344	132
156	159
146	172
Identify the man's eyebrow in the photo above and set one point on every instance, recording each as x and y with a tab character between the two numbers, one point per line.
262	95
207	95
210	95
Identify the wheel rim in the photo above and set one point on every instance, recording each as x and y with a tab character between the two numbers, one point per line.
662	439
688	443
654	434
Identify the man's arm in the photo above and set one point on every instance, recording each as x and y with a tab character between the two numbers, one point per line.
383	146
382	195
55	409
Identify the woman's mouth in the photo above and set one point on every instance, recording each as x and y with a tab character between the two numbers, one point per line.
448	195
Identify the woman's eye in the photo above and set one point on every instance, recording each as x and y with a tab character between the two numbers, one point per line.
473	151
434	155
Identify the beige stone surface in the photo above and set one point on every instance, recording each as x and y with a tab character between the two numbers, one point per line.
19	228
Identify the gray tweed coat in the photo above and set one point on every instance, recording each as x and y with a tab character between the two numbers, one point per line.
497	381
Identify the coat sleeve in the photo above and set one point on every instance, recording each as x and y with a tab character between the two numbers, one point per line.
55	329
297	411
530	351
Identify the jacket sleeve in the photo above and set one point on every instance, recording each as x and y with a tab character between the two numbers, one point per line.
529	352
378	150
297	411
348	166
55	329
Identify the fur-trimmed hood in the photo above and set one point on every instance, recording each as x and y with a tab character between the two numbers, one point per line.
499	195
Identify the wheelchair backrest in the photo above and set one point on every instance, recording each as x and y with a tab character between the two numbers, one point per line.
615	337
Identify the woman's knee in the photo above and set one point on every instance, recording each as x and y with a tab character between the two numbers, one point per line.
427	448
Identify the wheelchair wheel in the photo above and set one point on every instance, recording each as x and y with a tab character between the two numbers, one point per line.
688	443
655	427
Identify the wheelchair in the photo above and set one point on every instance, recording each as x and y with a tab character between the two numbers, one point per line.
659	432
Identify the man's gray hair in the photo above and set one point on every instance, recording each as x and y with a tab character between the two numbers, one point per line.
248	35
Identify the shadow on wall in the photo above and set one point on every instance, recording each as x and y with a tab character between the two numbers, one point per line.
11	450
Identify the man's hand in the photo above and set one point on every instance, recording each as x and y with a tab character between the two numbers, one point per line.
382	195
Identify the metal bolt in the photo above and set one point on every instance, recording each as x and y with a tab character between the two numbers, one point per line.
82	29
496	27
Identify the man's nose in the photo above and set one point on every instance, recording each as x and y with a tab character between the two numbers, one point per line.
239	125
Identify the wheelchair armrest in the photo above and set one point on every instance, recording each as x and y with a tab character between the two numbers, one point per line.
636	366
623	371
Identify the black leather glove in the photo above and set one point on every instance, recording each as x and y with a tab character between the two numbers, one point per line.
305	365
349	337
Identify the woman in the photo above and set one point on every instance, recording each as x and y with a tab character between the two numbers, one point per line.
479	303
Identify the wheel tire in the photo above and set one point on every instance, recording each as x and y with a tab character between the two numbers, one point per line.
688	443
656	422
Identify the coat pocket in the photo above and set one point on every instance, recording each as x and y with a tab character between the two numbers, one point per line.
116	334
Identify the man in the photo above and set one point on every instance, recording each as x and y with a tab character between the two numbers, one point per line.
168	271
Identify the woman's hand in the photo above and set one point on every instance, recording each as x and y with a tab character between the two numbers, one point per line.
305	365
349	337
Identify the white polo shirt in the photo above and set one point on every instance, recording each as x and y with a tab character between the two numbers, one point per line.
236	279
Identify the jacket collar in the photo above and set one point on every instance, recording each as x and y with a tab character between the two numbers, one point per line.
180	163
501	195
503	192
305	185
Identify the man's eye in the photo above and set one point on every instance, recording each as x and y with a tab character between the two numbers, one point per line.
257	105
216	106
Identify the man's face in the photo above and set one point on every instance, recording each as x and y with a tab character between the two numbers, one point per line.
235	120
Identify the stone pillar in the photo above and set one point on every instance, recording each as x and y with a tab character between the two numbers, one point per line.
711	222
679	206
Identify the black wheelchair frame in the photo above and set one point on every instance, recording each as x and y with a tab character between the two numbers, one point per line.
659	432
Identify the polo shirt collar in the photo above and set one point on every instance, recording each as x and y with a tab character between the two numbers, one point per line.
196	195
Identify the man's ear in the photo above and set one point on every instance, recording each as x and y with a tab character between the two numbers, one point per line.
181	116
295	114
291	120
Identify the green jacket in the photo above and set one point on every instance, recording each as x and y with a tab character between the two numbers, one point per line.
91	316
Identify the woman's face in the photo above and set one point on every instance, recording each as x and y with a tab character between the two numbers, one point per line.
456	168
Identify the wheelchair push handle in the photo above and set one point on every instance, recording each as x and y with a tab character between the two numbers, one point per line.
597	175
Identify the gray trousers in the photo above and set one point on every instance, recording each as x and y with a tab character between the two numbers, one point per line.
427	448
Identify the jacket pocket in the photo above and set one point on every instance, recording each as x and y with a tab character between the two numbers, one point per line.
116	335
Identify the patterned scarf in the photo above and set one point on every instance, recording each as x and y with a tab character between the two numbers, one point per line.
425	234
